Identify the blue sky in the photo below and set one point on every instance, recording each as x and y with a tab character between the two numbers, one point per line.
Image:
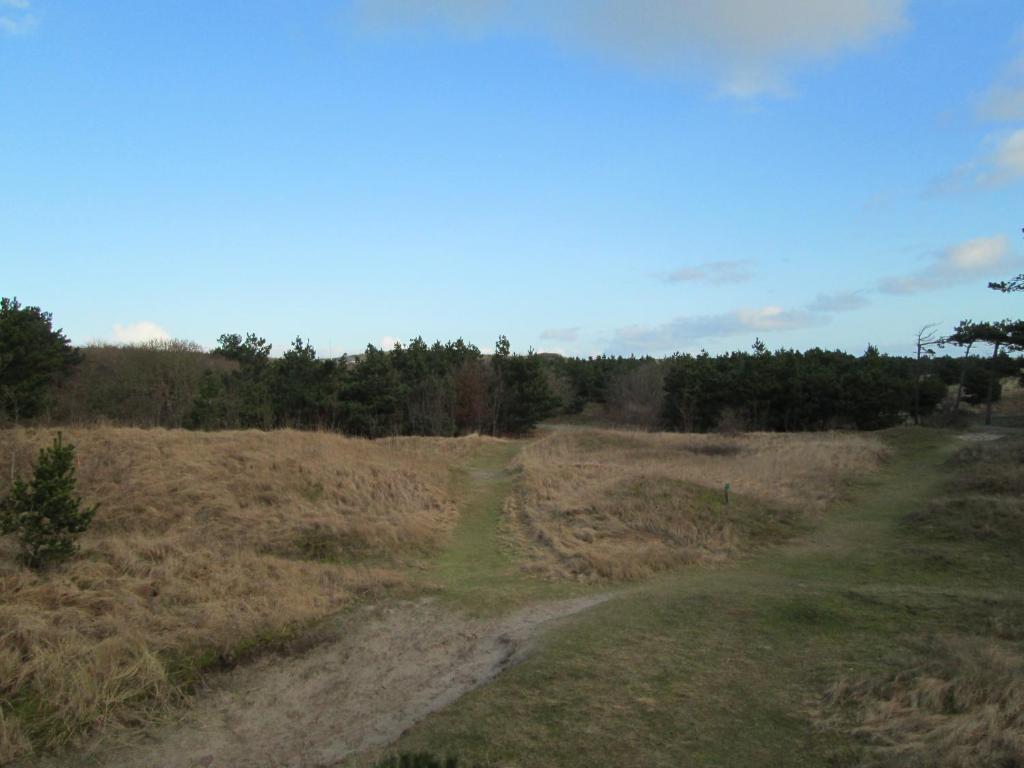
618	176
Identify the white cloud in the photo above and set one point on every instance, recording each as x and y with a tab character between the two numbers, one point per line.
981	253
561	334
972	260
773	319
714	272
684	332
142	331
748	45
388	342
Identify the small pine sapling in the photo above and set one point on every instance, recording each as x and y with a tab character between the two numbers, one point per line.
44	513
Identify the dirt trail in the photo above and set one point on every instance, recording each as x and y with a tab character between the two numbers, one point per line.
390	666
398	664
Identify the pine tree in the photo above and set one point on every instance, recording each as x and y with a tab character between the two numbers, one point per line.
33	358
44	513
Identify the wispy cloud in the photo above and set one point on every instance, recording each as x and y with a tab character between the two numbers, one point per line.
748	46
1004	100
972	260
16	17
840	301
1006	163
978	259
561	334
134	333
1002	163
713	272
684	332
1001	157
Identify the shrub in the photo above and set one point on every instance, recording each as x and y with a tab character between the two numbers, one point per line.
417	760
976	386
44	513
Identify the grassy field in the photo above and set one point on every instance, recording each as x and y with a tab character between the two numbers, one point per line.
857	602
206	547
600	504
480	571
818	652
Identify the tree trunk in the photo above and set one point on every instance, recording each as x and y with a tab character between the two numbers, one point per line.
14	441
991	384
917	385
963	377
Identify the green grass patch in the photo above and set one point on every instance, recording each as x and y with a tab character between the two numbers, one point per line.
728	666
479	570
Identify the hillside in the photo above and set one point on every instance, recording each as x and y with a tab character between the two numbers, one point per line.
598	503
204	546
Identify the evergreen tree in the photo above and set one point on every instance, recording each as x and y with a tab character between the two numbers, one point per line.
528	398
44	513
370	398
33	357
242	398
301	387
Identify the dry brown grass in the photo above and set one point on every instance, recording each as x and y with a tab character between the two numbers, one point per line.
203	542
614	504
963	706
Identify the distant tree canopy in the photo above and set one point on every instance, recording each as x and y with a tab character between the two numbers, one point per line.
33	359
452	388
147	385
418	389
789	390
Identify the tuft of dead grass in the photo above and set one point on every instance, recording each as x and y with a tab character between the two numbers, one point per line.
615	504
203	541
989	467
982	502
961	705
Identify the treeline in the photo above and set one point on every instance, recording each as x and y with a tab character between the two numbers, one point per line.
414	389
452	388
785	390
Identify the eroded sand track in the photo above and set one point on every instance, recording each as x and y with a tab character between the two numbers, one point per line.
393	665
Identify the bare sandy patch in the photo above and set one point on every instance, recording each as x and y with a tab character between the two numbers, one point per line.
389	667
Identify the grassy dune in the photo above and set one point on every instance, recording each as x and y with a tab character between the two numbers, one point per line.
612	504
890	634
955	698
204	546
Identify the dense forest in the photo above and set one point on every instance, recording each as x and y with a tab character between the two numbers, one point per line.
452	388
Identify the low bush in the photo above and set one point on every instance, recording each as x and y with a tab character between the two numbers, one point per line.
417	760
